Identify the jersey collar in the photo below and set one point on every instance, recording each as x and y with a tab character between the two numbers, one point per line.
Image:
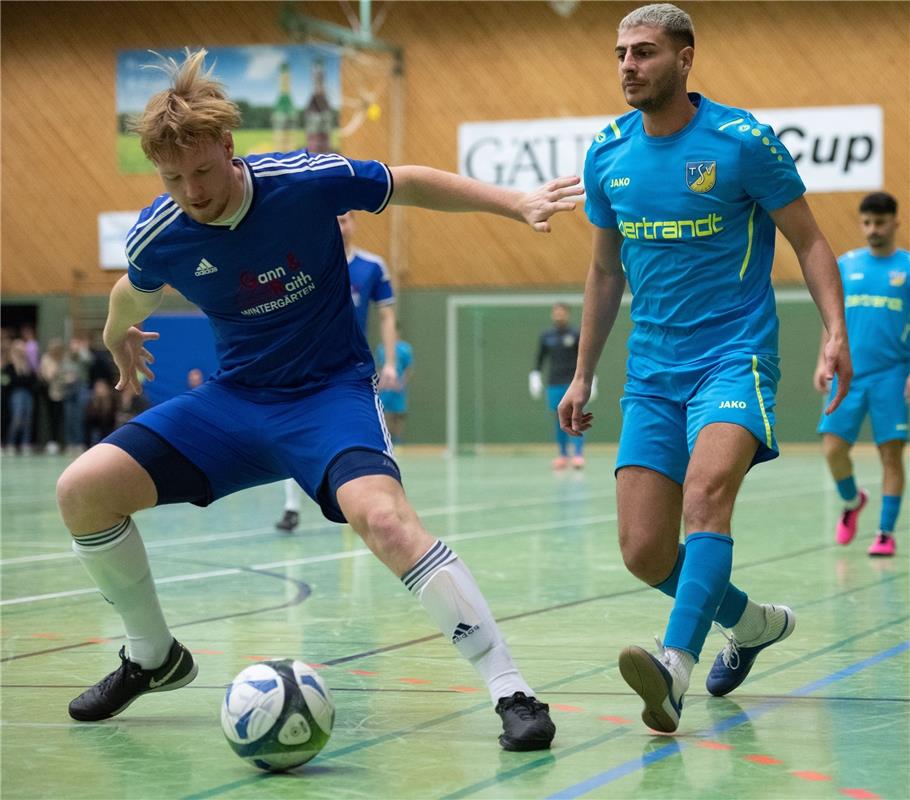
236	218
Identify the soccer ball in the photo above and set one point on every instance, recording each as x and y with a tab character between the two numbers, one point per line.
277	714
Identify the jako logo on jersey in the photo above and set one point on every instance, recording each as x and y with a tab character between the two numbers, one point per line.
619	182
701	175
732	404
205	267
463	631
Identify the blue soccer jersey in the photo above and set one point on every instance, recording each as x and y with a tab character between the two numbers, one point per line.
369	284
877	299
698	241
274	282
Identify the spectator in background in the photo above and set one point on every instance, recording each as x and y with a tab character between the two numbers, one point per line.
54	389
6	343
32	350
102	365
19	381
76	365
194	378
395	398
100	413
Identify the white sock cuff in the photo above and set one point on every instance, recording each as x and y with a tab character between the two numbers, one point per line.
437	556
106	539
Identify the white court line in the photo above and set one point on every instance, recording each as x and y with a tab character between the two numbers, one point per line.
363	551
438	511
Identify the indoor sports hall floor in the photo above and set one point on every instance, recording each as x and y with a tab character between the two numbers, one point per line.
824	715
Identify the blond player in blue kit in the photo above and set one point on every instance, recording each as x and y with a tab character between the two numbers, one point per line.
684	195
877	298
255	243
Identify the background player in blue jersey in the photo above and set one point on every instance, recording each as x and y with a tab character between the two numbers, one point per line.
370	285
684	195
877	296
255	243
395	396
559	347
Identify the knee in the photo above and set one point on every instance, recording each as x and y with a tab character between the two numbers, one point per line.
645	558
386	529
707	507
74	494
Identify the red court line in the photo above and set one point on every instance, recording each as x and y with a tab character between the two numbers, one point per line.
860	794
763	759
45	635
413	680
362	672
806	775
464	689
615	720
563	707
709	745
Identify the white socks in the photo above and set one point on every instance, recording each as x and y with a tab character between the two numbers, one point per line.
758	624
291	496
680	663
451	597
116	561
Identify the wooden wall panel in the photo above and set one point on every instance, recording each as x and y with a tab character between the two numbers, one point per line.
464	62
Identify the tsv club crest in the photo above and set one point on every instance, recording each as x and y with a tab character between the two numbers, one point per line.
701	175
897	277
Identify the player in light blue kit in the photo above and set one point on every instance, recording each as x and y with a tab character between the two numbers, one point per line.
877	296
255	243
395	396
684	195
370	285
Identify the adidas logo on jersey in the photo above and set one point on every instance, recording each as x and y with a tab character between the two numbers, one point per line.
205	267
463	631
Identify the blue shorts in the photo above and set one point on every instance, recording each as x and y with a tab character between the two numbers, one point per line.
238	442
665	407
881	395
555	393
394	402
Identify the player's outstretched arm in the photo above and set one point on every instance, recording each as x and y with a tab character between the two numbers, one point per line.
603	293
426	187
795	221
129	307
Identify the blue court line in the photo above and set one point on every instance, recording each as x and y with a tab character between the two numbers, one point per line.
635	764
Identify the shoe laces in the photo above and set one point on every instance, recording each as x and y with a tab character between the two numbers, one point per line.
120	674
525	707
730	653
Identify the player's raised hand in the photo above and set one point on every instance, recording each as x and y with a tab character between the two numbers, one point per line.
539	205
837	362
573	418
132	359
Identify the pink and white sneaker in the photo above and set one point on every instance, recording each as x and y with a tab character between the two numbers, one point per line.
846	526
578	462
560	462
883	546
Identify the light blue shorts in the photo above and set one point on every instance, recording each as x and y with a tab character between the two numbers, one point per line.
881	396
394	402
664	407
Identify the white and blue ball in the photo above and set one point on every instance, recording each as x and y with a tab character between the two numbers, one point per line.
277	714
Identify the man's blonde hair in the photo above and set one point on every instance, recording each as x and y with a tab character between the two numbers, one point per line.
193	111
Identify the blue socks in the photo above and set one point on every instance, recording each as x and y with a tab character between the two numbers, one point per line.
891	507
731	608
562	439
847	489
703	580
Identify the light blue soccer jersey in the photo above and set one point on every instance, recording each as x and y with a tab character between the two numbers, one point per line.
369	284
275	283
698	241
877	299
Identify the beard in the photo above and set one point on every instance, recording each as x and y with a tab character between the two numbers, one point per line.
663	93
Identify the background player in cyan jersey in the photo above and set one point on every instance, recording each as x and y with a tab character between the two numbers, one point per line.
559	346
254	242
394	397
370	285
877	296
684	195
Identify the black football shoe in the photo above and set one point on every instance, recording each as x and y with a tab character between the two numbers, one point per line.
113	693
526	723
288	522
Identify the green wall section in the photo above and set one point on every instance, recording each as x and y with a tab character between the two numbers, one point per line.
497	346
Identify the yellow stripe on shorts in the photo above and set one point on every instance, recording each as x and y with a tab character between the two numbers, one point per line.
761	402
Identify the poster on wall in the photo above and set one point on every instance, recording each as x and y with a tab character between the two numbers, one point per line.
836	148
289	96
